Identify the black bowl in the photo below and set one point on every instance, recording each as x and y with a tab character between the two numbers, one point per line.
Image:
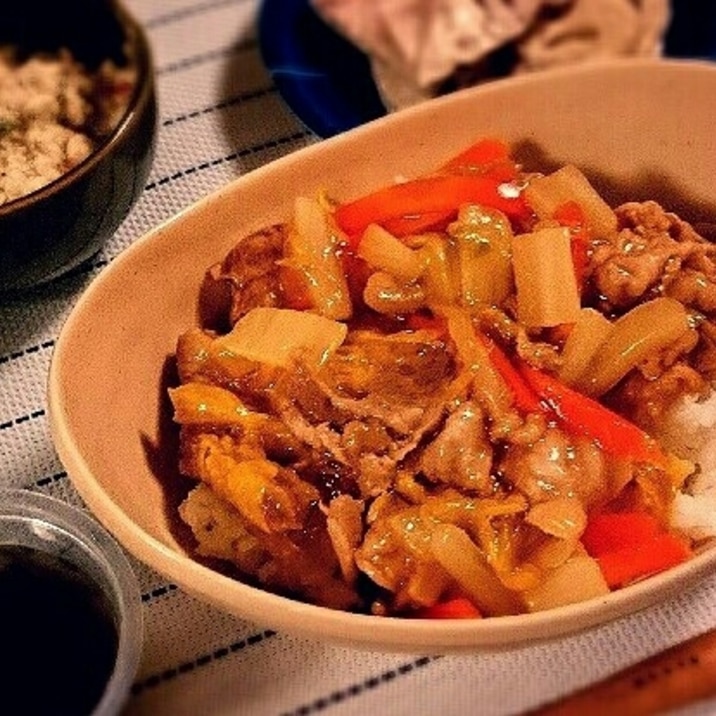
46	233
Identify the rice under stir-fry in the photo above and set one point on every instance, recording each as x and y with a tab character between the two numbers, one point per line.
448	397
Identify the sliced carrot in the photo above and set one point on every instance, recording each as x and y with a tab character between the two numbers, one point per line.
488	157
430	202
419	223
457	608
483	152
428	195
582	415
637	561
570	214
609	531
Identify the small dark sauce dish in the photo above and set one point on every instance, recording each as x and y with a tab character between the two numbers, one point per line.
46	233
70	610
49	607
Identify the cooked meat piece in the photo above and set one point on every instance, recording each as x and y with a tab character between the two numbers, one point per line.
461	454
321	437
344	521
497	324
376	474
391	379
270	497
329	476
395	554
370	404
301	389
365	436
650	250
555	466
540	354
249	276
197	440
693	288
220	530
646	399
301	563
274	442
505	330
704	357
660	361
403	367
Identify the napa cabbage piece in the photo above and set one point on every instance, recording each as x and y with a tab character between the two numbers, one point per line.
586	336
547	290
200	358
561	522
440	277
643	331
545	194
387	253
268	496
577	579
384	293
206	404
279	336
483	241
313	245
463	560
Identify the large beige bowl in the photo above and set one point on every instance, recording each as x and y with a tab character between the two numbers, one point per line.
640	129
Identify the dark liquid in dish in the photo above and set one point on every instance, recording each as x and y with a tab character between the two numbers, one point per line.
58	637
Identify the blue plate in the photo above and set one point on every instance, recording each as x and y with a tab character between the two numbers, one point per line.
328	83
325	80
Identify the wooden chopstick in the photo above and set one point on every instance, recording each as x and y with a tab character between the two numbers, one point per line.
683	674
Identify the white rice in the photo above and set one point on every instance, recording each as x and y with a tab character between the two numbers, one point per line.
689	431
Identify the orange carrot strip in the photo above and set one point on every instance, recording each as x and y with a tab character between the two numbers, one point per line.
428	195
419	224
584	416
629	564
488	157
610	531
457	608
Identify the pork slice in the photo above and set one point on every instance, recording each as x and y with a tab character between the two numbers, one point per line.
461	453
369	406
651	247
344	522
555	466
704	357
249	276
646	399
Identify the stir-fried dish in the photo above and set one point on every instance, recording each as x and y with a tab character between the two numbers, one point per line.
448	397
